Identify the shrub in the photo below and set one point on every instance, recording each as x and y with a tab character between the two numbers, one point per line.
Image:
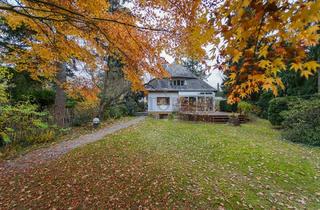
4	139
116	111
82	114
171	116
131	106
44	97
4	78
276	106
302	122
23	124
225	107
263	104
47	135
245	107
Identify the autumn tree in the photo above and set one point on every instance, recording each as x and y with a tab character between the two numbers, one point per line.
113	83
252	40
255	40
261	39
82	30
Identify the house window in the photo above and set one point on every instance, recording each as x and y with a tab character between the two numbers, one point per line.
163	101
177	82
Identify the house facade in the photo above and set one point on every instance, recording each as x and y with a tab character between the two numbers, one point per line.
182	92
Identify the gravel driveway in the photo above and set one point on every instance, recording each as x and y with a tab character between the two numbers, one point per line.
44	155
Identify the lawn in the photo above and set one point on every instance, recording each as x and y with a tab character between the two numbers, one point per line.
171	164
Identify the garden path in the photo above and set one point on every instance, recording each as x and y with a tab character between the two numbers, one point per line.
44	155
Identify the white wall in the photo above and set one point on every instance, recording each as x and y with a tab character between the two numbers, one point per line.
185	93
152	102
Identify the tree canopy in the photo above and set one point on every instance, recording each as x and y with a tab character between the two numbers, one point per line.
257	40
84	30
253	40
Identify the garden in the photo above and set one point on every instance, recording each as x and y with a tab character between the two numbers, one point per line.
73	75
174	164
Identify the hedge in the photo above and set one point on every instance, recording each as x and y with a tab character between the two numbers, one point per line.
225	107
302	122
276	106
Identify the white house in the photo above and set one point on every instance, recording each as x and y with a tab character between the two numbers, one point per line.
182	92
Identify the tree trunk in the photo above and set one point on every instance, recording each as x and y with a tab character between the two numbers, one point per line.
103	101
114	86
60	99
319	81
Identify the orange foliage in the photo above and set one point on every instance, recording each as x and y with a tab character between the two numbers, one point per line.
84	30
258	39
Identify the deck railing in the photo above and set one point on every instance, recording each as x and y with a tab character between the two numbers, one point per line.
196	108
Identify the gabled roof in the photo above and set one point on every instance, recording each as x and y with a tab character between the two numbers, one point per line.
177	70
192	83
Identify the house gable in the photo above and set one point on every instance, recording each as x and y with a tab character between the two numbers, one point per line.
171	94
181	80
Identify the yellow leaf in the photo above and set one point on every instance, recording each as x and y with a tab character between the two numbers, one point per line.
263	52
264	64
246	3
280	83
306	74
313	29
274	70
274	90
243	95
236	55
266	86
296	66
312	66
243	85
232	76
279	64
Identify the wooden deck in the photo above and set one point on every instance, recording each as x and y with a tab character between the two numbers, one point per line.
214	117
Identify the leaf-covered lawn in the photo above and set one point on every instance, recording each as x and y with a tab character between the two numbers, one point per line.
171	164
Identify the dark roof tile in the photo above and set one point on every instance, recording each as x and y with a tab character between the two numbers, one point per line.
178	71
193	84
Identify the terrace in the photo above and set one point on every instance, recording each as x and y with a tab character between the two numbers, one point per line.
202	108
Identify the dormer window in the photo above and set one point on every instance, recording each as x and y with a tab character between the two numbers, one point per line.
177	82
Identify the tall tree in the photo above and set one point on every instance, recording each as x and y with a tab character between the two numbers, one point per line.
196	68
113	79
83	30
114	85
60	99
279	33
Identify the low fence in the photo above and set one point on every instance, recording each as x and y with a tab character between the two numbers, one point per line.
212	117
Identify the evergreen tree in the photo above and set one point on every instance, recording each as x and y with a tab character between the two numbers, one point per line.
196	68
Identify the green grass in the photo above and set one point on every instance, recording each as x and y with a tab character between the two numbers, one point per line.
171	164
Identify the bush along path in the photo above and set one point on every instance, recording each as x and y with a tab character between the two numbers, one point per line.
44	155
